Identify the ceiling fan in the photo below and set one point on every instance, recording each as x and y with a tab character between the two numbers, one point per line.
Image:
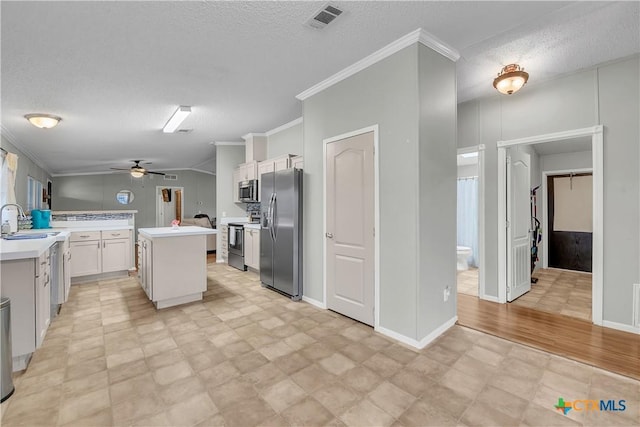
138	171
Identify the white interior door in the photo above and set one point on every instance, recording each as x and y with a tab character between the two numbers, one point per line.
518	224
350	227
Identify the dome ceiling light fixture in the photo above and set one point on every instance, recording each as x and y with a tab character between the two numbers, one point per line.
43	121
510	79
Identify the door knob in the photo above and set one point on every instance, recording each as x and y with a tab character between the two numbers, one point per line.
329	235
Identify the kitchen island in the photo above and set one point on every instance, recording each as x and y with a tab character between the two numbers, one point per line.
172	264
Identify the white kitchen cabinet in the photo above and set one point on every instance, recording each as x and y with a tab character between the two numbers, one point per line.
237	173
297	162
116	250
145	271
252	248
265	166
281	163
43	297
27	283
174	264
224	236
86	258
243	172
97	252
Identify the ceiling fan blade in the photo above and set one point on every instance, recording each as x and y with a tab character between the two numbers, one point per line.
156	173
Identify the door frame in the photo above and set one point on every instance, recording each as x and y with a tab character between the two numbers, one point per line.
545	213
596	134
376	215
158	189
480	149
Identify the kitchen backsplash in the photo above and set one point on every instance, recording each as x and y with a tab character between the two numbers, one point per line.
92	216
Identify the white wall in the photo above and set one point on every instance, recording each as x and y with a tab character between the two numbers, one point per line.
606	95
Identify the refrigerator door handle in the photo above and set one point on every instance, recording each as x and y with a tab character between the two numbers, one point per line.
270	215
274	212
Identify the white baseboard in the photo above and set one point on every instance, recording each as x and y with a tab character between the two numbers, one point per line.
621	327
314	302
220	261
424	341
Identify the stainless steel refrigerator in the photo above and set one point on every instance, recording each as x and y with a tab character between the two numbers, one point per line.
281	231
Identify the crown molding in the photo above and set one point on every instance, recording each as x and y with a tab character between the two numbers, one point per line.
55	175
253	134
217	143
285	126
6	133
417	36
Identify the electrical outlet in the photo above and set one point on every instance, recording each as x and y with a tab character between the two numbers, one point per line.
447	293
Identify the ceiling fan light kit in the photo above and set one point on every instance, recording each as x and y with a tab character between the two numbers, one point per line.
510	79
176	119
138	171
43	121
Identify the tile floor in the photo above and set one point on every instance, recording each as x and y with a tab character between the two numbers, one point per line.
468	282
560	291
247	356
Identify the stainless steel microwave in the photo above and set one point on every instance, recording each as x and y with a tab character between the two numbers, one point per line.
248	191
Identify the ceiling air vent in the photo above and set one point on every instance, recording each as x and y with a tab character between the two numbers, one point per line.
168	177
324	17
184	130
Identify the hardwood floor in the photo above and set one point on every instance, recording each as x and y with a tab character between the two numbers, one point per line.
576	339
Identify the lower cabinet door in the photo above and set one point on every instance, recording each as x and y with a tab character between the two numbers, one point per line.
256	249
115	255
86	258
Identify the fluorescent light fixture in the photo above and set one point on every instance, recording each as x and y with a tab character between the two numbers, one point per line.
43	121
176	120
469	155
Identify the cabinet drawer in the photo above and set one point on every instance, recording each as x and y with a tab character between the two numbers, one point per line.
115	234
79	236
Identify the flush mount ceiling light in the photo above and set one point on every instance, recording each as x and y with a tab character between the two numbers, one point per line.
510	79
178	117
43	121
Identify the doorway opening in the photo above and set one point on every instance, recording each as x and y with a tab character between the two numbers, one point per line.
565	170
169	205
467	248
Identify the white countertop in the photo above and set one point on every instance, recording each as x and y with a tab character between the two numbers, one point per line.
116	211
92	228
191	230
227	219
21	249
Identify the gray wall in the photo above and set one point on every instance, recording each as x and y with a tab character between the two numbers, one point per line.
566	161
98	192
467	170
288	141
26	167
396	108
437	190
228	157
606	95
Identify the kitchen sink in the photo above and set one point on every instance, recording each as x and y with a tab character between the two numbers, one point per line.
31	235
25	236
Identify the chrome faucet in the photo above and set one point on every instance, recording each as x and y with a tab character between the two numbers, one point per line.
20	212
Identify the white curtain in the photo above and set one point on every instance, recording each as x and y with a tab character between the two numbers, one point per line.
8	188
468	216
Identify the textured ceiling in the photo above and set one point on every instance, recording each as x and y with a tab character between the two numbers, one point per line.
116	71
